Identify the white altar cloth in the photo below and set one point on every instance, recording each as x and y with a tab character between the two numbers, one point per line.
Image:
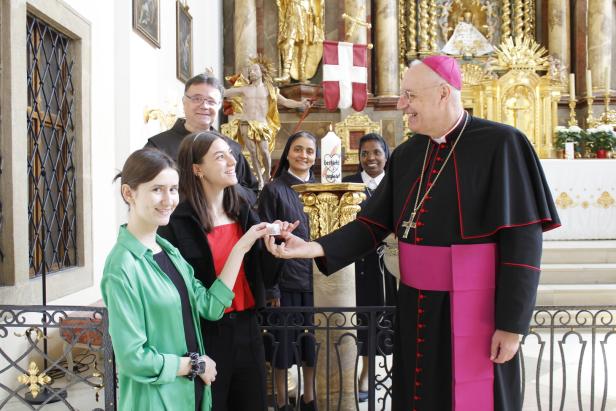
585	194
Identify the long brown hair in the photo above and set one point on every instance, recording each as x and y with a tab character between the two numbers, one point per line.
142	166
193	148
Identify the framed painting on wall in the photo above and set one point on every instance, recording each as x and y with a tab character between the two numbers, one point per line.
184	42
146	20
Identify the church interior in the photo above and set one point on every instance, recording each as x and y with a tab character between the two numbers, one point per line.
84	84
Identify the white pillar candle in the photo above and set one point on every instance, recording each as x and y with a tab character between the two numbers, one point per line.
571	86
331	158
588	83
569	150
607	80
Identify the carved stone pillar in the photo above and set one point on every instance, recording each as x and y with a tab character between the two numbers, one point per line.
600	26
244	32
559	42
387	68
356	8
330	206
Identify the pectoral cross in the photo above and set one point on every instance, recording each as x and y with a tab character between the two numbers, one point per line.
408	225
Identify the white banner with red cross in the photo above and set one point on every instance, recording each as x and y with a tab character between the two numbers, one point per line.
345	75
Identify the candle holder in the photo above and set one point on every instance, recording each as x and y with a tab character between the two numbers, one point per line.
572	119
590	120
607	104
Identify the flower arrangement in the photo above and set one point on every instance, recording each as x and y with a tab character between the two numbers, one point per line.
565	135
601	140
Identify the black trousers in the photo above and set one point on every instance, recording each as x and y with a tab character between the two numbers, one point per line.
236	345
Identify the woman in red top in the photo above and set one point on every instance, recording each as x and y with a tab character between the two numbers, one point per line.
205	227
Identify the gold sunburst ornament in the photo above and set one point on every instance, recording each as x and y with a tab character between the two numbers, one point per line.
523	53
34	380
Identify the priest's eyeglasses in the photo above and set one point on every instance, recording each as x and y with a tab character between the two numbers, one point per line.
411	95
198	100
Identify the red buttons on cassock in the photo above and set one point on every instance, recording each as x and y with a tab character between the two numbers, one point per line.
416	397
418	239
442	146
420	311
421	325
439	158
420	224
434	171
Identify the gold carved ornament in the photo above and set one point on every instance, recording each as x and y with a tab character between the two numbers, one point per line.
522	53
354	123
330	206
34	380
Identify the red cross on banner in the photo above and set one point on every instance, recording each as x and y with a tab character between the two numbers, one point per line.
345	75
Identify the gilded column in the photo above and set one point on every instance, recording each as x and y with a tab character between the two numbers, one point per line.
387	69
356	8
412	31
518	18
330	206
506	25
600	27
244	32
433	26
424	26
559	42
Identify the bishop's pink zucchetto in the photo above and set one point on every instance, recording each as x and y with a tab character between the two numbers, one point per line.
447	68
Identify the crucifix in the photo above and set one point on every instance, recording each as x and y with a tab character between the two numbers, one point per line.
410	223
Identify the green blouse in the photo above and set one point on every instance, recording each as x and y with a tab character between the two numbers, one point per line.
145	323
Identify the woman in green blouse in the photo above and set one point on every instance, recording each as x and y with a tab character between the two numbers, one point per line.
153	299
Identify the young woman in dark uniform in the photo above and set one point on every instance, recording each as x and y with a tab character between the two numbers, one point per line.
278	201
374	284
205	227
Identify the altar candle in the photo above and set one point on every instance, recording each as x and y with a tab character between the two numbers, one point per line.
571	86
569	150
607	80
331	158
588	83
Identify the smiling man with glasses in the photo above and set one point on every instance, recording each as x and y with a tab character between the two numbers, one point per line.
202	100
468	201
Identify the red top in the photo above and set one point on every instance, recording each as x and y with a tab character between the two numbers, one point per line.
222	239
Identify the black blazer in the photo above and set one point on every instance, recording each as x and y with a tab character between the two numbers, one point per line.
169	141
186	233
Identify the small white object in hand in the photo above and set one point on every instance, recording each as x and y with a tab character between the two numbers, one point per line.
273	229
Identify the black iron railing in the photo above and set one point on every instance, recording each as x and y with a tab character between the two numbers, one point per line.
567	358
31	378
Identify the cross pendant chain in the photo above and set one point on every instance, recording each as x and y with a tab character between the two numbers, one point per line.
408	225
418	204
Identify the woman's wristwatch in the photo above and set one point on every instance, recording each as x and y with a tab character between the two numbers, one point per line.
197	364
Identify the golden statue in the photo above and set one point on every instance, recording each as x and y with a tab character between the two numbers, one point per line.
300	38
256	101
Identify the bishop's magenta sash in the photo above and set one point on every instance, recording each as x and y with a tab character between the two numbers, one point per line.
468	273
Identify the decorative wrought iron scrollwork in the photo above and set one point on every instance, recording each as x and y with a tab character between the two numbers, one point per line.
24	325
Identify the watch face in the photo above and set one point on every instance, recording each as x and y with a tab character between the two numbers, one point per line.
201	365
